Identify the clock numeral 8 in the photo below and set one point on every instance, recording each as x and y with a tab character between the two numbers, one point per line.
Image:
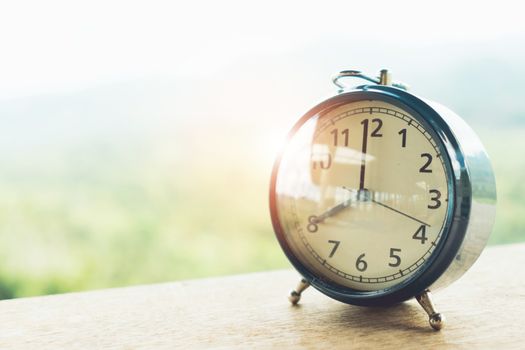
312	224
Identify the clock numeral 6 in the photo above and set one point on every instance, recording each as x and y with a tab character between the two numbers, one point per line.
396	258
360	264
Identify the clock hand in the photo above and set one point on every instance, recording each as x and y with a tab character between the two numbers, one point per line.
332	211
363	155
369	197
399	212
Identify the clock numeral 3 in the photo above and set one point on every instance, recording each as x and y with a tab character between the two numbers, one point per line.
435	199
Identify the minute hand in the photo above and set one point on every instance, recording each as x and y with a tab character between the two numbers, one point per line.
399	212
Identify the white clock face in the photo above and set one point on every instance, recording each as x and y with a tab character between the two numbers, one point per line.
362	195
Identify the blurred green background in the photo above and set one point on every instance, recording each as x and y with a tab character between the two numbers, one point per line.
139	149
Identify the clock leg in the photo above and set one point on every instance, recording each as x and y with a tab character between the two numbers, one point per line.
436	320
295	294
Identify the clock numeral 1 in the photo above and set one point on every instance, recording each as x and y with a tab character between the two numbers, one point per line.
360	264
421	234
403	133
344	133
336	245
396	258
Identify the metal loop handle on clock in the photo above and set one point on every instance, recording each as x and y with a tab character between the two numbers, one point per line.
383	79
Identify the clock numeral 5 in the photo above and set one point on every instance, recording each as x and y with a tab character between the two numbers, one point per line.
396	258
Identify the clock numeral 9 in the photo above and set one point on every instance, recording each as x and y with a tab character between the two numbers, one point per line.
396	258
360	264
344	132
324	163
435	199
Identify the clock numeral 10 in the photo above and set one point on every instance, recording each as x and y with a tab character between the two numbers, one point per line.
323	163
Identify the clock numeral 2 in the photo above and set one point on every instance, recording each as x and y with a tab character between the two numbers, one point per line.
424	168
421	234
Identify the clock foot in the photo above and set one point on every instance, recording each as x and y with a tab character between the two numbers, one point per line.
436	320
295	294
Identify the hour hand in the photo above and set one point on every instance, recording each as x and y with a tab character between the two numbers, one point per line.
332	211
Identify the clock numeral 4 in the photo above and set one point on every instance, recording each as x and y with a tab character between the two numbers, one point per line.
421	234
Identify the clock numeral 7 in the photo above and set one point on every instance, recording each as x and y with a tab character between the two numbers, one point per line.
334	248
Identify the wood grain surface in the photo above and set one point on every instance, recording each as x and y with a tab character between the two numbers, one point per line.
484	309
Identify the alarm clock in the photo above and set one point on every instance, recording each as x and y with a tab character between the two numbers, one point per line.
379	196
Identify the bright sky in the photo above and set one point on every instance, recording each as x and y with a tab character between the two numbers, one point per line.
49	46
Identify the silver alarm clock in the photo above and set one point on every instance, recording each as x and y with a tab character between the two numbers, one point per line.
379	196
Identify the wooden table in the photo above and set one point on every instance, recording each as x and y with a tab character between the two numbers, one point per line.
484	309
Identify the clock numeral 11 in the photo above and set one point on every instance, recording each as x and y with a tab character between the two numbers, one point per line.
344	132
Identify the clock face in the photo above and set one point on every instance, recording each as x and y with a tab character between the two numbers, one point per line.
361	194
